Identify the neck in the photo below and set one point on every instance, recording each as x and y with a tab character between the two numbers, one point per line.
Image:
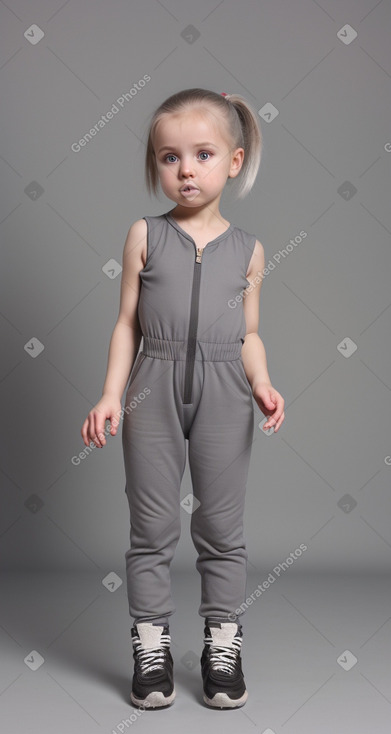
202	217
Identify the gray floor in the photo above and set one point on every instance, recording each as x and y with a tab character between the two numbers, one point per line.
302	637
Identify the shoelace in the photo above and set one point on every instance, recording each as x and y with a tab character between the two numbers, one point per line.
153	657
223	657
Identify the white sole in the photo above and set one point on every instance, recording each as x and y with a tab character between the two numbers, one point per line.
222	700
154	699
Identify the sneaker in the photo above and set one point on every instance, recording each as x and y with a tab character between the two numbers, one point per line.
221	665
153	682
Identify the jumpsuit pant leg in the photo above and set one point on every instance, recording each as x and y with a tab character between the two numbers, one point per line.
219	427
155	457
220	444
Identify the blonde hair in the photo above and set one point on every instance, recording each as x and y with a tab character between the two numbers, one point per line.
241	122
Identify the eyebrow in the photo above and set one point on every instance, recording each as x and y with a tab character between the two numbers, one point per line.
196	145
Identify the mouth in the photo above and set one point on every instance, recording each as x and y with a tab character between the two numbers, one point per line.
189	188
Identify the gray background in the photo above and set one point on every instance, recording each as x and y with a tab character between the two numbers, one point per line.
323	480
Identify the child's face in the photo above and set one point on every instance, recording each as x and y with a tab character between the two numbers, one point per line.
190	148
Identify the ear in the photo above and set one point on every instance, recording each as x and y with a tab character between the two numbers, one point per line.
236	162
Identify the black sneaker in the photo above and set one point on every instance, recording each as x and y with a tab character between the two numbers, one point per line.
153	681
221	665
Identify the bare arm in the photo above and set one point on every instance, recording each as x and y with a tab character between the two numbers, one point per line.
126	336
125	340
253	352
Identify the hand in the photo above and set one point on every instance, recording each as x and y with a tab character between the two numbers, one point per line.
108	407
271	403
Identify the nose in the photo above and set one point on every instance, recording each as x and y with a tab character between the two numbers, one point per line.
186	168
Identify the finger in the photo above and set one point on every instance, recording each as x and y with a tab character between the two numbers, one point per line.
268	423
275	420
84	431
278	425
114	424
279	409
87	431
100	427
273	401
94	430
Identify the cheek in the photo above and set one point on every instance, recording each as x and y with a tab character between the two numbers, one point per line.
166	176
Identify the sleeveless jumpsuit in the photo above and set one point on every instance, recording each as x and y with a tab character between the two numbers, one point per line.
188	383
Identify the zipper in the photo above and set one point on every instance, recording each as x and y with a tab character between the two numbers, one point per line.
193	324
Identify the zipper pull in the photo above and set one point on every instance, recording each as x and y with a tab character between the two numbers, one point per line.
199	254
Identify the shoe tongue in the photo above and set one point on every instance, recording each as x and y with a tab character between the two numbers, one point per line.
222	634
149	634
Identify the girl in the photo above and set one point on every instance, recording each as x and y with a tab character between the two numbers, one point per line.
184	290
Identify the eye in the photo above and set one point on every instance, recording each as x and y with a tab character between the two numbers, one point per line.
170	155
204	152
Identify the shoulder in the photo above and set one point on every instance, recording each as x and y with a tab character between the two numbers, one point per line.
249	240
138	228
254	249
257	260
258	249
136	240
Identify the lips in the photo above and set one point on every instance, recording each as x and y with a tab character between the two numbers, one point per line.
189	187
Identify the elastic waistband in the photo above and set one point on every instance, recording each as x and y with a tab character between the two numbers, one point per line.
207	351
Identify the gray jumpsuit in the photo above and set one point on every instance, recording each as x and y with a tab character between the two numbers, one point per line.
188	382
